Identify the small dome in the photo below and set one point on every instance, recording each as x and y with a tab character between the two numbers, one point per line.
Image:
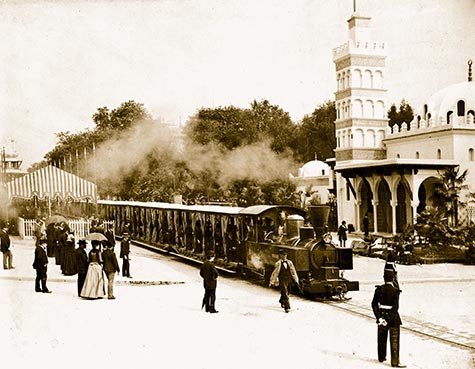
314	168
447	100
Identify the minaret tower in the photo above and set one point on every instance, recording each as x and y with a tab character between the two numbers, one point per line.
360	99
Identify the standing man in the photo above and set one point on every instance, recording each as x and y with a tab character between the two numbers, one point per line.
342	234
110	267
283	275
125	255
82	264
5	248
40	263
385	306
209	273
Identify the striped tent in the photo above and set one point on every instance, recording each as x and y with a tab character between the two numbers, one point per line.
51	183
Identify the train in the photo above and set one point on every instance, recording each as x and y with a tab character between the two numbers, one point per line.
244	240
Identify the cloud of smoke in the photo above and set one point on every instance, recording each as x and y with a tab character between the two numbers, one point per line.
256	162
131	149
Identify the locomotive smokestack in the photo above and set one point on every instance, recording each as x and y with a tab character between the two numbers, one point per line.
319	218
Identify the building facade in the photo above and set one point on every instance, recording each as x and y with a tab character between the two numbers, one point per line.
389	174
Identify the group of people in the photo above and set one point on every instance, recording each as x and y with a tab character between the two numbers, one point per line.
90	267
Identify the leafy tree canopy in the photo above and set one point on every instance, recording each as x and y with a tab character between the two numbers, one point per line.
404	114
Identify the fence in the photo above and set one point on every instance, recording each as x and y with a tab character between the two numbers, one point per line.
80	228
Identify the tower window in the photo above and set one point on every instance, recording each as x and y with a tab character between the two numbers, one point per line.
417	154
439	154
460	108
471	155
449	116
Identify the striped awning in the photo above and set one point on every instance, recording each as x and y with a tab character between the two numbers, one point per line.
51	182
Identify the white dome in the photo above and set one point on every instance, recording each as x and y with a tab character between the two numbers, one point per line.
447	99
314	168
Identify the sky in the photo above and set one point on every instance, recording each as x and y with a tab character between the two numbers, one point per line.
62	60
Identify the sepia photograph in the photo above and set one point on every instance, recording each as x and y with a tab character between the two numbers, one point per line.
237	184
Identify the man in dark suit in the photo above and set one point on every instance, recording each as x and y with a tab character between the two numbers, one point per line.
5	248
110	267
209	273
40	263
385	306
81	264
125	255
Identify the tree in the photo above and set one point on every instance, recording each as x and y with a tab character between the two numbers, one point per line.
120	118
447	190
405	114
274	123
232	127
315	136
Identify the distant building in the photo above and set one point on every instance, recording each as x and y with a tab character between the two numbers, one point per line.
10	163
389	174
313	181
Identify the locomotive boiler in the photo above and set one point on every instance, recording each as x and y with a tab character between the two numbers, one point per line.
317	259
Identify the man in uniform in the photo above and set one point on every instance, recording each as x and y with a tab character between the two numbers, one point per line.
385	306
209	273
283	275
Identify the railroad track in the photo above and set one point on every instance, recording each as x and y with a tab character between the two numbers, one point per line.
465	340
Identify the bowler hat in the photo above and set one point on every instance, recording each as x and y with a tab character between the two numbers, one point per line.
82	242
282	251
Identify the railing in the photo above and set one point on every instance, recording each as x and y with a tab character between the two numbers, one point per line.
80	228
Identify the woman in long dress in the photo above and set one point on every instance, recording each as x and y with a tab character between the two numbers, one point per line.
94	284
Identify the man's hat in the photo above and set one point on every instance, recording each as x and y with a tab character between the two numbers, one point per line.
388	275
43	240
282	251
125	233
82	242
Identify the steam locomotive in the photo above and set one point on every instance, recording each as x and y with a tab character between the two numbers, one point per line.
245	241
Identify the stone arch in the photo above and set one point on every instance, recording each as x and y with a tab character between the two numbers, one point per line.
368	109
358	138
365	195
378	79
367	79
370	138
425	193
379	109
380	137
383	209
403	206
357	78
358	108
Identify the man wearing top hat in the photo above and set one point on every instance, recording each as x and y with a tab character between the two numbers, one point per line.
209	273
283	275
40	263
385	306
81	264
125	254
